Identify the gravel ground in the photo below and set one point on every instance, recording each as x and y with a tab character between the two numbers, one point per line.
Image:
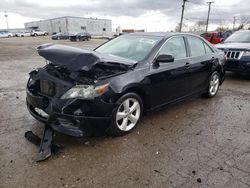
196	143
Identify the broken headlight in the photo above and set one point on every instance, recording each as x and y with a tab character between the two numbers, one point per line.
85	92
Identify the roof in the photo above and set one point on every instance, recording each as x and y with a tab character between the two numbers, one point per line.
64	17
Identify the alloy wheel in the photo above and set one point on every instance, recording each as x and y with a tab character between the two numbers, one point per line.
214	84
128	114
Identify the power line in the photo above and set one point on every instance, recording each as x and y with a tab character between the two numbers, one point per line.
196	3
208	14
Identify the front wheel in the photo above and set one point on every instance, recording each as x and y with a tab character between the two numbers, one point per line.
214	84
127	115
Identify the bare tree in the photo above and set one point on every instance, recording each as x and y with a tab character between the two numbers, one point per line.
244	20
199	26
184	27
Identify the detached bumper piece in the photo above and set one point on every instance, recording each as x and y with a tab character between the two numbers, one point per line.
46	146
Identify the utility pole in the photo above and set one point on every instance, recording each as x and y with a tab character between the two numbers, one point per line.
6	17
234	21
208	14
182	13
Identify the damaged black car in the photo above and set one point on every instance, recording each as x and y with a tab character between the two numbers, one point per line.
117	82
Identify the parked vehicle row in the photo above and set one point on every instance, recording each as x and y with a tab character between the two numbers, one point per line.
216	37
72	37
5	34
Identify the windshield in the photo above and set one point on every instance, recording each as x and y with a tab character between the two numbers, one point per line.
131	47
239	37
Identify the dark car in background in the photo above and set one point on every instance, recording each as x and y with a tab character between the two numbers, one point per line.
115	83
237	50
60	36
80	36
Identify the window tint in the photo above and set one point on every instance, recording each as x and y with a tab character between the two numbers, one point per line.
207	48
196	46
175	47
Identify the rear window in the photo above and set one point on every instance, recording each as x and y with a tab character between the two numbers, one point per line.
196	46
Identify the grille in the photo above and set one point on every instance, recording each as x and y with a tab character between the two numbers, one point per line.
233	54
50	88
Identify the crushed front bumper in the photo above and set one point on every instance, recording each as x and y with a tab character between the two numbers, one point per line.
69	116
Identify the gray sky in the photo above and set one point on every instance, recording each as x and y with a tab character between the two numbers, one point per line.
146	14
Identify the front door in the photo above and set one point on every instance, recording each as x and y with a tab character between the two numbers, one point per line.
169	81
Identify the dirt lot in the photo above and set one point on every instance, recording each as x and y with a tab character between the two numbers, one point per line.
197	143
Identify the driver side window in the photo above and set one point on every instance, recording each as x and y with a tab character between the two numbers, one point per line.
175	47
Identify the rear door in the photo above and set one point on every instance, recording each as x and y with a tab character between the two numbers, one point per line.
169	81
201	62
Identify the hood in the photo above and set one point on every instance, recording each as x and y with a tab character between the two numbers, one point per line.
76	59
240	46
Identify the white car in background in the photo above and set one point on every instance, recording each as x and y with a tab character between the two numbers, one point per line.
5	34
24	34
37	32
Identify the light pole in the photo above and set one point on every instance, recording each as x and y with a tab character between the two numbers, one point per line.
208	14
234	22
6	17
182	13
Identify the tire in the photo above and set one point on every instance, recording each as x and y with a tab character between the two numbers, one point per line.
126	116
213	85
77	39
35	35
58	38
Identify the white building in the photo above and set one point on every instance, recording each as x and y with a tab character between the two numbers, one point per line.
70	24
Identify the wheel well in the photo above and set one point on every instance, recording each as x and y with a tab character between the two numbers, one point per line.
139	92
221	74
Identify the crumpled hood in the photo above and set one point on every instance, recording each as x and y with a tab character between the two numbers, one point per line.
244	46
76	59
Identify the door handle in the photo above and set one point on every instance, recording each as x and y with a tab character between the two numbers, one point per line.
187	65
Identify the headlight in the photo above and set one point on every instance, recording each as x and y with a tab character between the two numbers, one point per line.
85	92
31	82
246	53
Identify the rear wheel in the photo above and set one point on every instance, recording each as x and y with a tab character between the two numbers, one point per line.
214	84
127	115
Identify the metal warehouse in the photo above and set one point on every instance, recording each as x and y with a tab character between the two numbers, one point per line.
70	24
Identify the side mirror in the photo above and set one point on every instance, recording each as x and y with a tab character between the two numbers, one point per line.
164	58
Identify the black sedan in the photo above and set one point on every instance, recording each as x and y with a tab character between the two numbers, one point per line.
80	37
120	80
60	36
237	50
